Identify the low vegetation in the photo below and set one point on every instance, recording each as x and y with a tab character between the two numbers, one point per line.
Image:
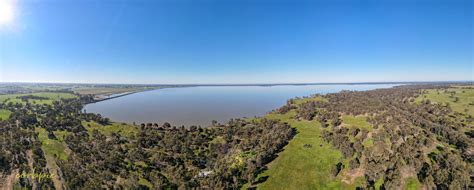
52	146
459	99
123	129
4	114
307	156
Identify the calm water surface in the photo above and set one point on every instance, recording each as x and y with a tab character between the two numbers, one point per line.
200	105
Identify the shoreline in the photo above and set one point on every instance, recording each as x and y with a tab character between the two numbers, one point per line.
117	95
219	120
112	96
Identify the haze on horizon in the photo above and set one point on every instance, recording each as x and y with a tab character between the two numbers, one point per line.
230	41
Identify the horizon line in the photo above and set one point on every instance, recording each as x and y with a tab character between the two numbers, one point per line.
243	84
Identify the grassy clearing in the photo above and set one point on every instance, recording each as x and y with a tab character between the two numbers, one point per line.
218	140
356	121
378	183
297	167
304	100
289	116
144	182
61	135
368	142
52	96
459	99
4	114
412	183
52	147
120	128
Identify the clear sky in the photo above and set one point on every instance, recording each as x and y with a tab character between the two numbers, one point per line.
231	41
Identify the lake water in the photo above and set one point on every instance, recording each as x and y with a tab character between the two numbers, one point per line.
200	105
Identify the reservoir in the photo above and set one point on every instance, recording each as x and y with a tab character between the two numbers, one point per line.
200	105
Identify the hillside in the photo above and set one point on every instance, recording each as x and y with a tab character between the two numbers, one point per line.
409	137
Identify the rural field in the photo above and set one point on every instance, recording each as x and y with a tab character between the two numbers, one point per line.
460	99
312	164
44	97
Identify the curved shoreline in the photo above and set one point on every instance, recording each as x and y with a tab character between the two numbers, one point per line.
201	108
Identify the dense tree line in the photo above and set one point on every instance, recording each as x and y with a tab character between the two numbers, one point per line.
31	97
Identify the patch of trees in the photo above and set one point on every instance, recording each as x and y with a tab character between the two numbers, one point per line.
285	109
31	97
20	152
20	148
221	157
447	171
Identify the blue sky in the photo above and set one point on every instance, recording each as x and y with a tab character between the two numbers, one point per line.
230	41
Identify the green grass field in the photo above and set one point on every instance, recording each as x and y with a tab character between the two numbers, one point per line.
464	104
356	121
4	114
412	183
313	98
53	96
120	128
52	147
297	167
